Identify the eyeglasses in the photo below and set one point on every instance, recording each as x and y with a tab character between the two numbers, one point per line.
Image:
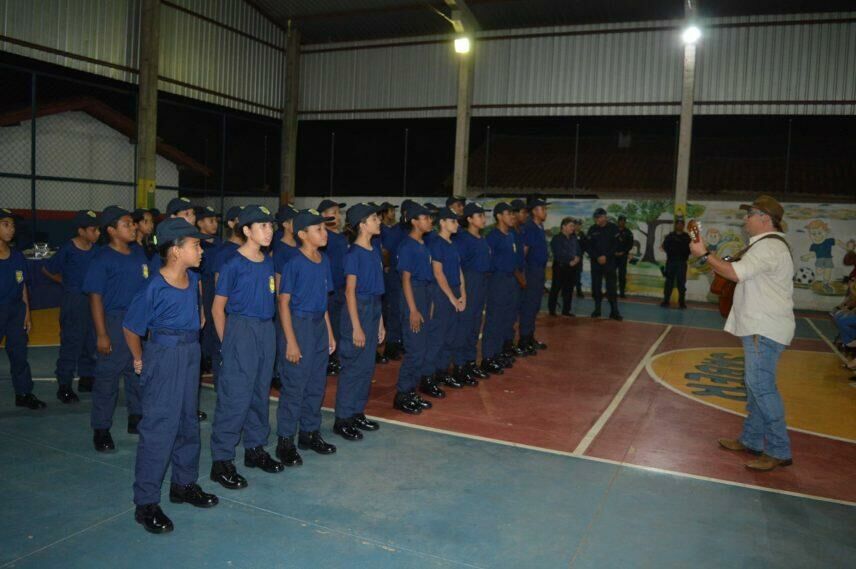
752	212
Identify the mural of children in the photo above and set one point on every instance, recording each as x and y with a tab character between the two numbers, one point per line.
712	238
821	249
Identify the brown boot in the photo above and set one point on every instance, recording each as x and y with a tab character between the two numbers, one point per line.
766	463
736	445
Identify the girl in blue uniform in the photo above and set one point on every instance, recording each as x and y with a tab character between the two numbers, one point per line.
417	277
145	221
475	264
76	332
391	234
211	272
307	280
15	320
245	292
117	271
336	248
208	225
167	310
362	323
449	298
283	250
502	304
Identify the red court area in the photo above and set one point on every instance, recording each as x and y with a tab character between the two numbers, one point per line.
555	399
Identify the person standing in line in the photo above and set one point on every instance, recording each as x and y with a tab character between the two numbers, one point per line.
536	255
510	351
456	204
336	249
583	239
211	270
145	222
567	256
622	254
391	234
602	242
501	304
207	222
183	208
677	248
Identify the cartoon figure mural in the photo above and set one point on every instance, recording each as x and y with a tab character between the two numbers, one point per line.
820	249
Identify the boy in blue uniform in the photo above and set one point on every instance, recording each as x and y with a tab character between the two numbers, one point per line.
535	252
183	208
245	291
449	298
208	224
167	310
475	264
15	320
211	272
502	292
336	248
308	334
391	234
362	324
519	220
145	221
76	332
117	271
417	278
283	250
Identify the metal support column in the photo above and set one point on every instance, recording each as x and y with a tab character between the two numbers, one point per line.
147	104
289	117
462	127
686	131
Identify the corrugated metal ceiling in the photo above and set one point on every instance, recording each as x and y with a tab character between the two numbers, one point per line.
323	21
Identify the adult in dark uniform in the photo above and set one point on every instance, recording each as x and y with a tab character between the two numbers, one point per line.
583	238
602	243
677	248
622	254
567	260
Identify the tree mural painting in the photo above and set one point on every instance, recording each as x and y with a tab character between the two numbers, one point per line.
647	213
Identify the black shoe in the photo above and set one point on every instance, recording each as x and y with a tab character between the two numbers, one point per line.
596	313
102	440
682	305
431	389
393	351
465	378
191	494
491	366
29	401
536	344
365	424
552	312
580	293
614	315
84	385
332	369
381	359
448	379
313	441
276	383
347	430
475	371
66	394
419	401
226	475
133	421
205	366
259	458
568	314
201	415
504	360
287	452
405	403
153	519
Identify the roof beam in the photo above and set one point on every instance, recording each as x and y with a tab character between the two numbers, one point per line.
253	4
463	19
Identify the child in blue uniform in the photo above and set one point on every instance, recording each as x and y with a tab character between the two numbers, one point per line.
145	221
211	271
167	310
208	224
76	332
362	323
283	250
307	280
117	271
535	255
15	320
336	248
502	291
183	208
449	298
475	264
245	292
391	234
417	278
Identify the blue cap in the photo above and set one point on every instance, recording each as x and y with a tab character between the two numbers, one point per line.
111	214
139	213
447	213
308	217
328	203
254	214
406	204
6	213
176	205
517	205
502	207
387	205
473	208
174	228
234	212
533	203
285	213
85	218
455	199
357	213
598	212
203	212
432	208
414	210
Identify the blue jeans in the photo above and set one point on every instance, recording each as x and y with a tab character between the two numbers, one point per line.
846	323
764	428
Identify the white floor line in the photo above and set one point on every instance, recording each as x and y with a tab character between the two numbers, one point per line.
827	340
616	401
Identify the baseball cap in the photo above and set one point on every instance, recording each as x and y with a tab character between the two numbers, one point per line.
386	205
176	205
455	199
598	212
233	212
308	217
285	213
537	202
473	208
517	205
6	213
414	210
85	218
502	207
254	214
357	213
447	213
327	204
174	228
203	212
768	205
111	214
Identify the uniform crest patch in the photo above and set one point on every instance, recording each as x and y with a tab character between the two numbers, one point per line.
19	277
145	271
272	284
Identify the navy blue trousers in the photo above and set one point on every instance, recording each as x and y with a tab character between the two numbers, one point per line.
243	388
209	339
470	320
392	306
12	329
76	339
531	297
109	369
169	431
415	343
358	364
335	302
441	331
500	313
303	383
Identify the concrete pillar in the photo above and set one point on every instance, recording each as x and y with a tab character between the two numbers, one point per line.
289	117
462	128
147	104
685	134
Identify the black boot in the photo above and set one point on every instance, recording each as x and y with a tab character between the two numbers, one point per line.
85	384
614	314
365	424
66	394
226	475
314	441
464	377
474	370
201	415
102	440
596	313
152	518
346	429
191	494
447	379
381	359
133	422
405	403
533	341
276	382
490	366
682	302
29	401
431	389
287	452
258	457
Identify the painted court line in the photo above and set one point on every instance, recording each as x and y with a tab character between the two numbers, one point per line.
825	339
616	401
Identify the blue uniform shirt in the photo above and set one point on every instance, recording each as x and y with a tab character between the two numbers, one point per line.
474	252
446	253
161	306
13	275
367	266
518	241
337	248
71	263
308	283
117	277
249	286
504	257
415	258
283	253
223	253
390	238
209	249
535	239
